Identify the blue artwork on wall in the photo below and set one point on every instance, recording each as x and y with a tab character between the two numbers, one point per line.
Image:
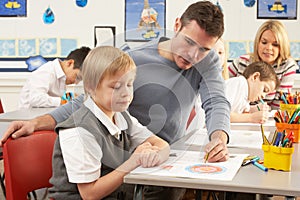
67	45
48	16
251	46
48	47
13	8
295	50
236	49
27	47
7	48
81	3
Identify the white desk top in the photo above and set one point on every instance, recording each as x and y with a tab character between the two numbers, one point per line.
269	125
249	179
3	127
24	114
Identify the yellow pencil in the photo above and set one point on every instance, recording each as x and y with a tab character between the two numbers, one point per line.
265	140
206	157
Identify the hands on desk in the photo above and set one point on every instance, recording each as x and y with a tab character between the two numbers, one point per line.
260	116
145	155
259	113
217	147
17	129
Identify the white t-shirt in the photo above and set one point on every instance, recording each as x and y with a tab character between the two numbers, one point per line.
81	152
237	94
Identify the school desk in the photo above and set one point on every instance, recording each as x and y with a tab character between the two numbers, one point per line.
24	114
268	126
248	179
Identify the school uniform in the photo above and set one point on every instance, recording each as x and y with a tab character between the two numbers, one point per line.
89	146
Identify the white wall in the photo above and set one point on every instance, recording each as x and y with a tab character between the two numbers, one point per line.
72	21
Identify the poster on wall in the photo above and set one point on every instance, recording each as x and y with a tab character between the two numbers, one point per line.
144	19
277	9
13	8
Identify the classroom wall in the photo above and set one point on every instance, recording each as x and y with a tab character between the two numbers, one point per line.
72	21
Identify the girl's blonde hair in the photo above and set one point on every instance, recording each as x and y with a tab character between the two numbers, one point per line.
225	72
281	37
103	61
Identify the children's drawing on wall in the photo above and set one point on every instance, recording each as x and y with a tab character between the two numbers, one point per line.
249	3
144	19
27	47
13	8
278	9
8	48
67	45
295	50
48	47
236	48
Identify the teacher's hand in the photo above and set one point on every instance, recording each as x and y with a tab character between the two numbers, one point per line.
217	147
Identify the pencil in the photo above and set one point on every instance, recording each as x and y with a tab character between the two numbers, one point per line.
265	140
206	157
261	101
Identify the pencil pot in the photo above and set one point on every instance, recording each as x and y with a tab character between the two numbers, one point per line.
290	108
278	158
288	128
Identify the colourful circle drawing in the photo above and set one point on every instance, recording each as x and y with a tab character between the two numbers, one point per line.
204	168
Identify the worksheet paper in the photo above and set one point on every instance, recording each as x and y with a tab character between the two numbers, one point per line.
237	138
190	164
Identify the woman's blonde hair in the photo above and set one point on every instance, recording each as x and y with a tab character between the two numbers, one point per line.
280	33
103	61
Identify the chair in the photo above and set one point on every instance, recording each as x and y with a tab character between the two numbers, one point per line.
1	107
1	157
28	163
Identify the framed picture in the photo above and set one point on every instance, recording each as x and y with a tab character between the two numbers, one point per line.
13	8
144	19
104	35
277	9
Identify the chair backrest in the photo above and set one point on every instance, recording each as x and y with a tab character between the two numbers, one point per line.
28	163
1	107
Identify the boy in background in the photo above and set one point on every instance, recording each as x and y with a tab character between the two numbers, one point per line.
47	84
258	79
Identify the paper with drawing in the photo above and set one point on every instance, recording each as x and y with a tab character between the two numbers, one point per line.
190	164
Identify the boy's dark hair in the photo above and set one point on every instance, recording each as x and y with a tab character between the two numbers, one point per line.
78	55
267	72
207	15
